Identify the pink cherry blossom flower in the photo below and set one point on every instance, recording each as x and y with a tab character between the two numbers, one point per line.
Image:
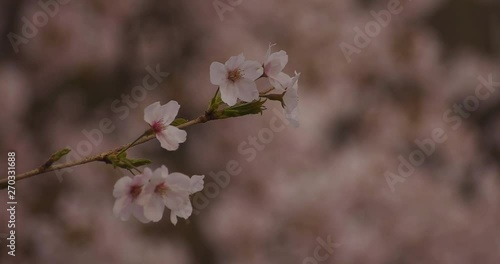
291	101
236	79
127	192
171	191
159	117
273	69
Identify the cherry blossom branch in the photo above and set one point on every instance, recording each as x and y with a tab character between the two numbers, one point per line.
102	156
146	194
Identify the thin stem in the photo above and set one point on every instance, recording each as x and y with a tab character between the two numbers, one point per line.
99	157
133	142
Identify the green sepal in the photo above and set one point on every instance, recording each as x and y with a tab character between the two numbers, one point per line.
252	108
215	102
121	161
274	97
140	162
179	121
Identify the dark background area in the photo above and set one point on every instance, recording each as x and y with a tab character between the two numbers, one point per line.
324	179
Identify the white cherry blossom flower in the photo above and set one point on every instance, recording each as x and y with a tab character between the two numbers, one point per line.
236	79
273	69
159	117
170	190
127	192
291	101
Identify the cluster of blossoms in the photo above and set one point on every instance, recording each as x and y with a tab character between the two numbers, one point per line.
146	195
236	80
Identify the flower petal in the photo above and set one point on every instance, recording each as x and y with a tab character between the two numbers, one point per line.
252	70
275	63
163	171
268	53
247	90
122	187
145	196
141	179
294	84
178	182
138	212
176	134
120	208
228	93
280	56
147	173
173	218
196	183
186	211
171	137
159	175
235	62
280	81
153	210
156	178
218	73
293	116
291	101
168	112
151	113
176	200
148	187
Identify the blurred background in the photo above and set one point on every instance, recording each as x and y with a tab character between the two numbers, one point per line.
316	194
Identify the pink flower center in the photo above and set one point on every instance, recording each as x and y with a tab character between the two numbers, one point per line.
135	191
161	189
158	126
235	75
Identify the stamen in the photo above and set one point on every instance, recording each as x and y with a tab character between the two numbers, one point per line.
158	126
135	191
235	75
161	189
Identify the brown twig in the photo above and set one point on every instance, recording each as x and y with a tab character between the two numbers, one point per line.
102	156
